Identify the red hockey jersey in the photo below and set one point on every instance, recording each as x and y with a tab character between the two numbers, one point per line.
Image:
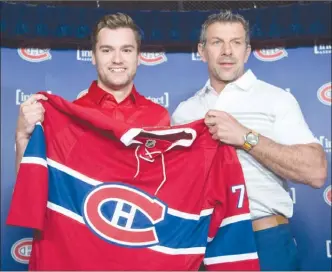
106	196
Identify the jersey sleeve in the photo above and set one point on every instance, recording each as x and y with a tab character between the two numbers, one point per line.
231	244
29	199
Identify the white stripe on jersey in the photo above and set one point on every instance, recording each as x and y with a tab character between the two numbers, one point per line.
94	182
34	160
189	215
236	218
178	251
162	249
230	258
64	211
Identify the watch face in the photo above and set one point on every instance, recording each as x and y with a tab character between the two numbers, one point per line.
252	139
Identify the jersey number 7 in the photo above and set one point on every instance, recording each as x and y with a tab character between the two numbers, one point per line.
240	188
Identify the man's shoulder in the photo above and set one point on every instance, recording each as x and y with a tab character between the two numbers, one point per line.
193	100
189	109
269	87
273	92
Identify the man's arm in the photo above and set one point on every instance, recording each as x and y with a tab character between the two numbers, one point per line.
21	145
305	163
302	163
31	112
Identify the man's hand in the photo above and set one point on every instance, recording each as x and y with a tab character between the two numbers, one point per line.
31	112
225	128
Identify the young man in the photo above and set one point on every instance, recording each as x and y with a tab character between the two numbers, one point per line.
116	43
265	124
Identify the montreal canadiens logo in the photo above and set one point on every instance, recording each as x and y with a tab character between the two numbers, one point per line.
152	58
34	54
82	93
21	250
327	195
123	215
270	54
324	94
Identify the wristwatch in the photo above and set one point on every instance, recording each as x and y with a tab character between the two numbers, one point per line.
250	140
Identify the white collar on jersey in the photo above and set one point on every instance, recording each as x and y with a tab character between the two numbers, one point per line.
128	137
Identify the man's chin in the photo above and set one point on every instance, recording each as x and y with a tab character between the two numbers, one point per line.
117	85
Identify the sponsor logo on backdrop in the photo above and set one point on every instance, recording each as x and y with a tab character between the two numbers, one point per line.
84	55
21	250
326	143
82	93
328	248
161	100
320	49
22	96
273	54
327	195
152	58
34	54
324	94
195	56
292	193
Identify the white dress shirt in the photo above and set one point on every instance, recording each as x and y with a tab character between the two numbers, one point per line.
270	111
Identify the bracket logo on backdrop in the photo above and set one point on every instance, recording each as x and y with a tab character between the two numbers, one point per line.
162	100
21	250
34	54
21	96
83	55
145	58
324	94
328	248
270	55
320	49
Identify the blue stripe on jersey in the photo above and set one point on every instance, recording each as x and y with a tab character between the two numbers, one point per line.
70	192
235	238
36	146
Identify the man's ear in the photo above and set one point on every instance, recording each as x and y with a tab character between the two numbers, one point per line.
201	51
248	52
93	60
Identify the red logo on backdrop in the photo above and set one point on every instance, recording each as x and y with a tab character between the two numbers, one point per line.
21	250
34	54
324	94
105	213
152	58
327	195
270	54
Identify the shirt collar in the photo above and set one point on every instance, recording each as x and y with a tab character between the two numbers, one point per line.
98	95
244	83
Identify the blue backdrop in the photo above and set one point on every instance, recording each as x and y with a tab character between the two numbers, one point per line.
169	78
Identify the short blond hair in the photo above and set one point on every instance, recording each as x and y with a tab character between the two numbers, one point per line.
115	21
